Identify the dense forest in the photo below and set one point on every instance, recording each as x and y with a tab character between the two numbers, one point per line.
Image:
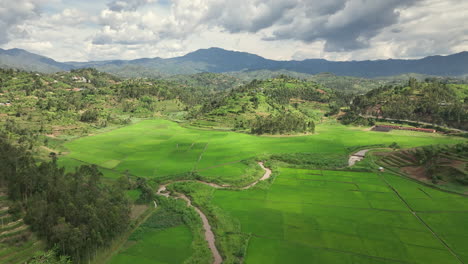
75	211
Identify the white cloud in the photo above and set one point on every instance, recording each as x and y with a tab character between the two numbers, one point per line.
121	5
13	13
277	29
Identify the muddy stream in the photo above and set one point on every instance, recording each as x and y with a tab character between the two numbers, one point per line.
209	235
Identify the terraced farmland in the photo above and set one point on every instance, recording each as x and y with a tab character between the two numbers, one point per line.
17	243
443	166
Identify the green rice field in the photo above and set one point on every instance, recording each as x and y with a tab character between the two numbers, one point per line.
162	239
312	216
303	216
157	148
158	246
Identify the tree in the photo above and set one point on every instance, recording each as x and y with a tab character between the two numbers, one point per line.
74	211
89	116
394	146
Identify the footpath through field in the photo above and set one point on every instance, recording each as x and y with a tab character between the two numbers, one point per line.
358	156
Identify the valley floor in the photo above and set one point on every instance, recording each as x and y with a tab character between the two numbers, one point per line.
299	215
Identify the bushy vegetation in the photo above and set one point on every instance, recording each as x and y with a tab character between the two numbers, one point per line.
279	105
432	158
433	102
282	124
313	160
78	101
49	257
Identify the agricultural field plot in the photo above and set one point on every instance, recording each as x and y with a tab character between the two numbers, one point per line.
157	241
158	246
157	148
313	216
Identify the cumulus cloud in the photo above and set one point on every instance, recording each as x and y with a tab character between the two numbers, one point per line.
127	5
348	27
276	29
14	13
343	24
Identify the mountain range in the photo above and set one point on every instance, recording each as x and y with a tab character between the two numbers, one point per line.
218	60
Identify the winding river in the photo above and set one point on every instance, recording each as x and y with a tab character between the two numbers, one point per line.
209	235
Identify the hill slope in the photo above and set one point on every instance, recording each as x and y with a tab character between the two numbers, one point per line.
279	105
17	243
442	165
24	60
431	102
218	60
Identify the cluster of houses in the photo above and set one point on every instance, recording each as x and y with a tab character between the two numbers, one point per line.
5	104
80	79
386	128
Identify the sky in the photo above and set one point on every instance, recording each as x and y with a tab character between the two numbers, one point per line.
89	30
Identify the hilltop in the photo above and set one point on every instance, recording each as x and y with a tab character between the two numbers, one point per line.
260	106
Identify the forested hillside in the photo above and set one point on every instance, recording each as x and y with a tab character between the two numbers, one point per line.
74	102
432	102
273	106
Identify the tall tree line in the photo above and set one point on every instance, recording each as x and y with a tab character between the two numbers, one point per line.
74	211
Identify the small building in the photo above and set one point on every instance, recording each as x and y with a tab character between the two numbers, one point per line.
381	129
381	169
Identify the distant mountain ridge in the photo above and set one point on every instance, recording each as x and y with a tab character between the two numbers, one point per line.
24	60
218	60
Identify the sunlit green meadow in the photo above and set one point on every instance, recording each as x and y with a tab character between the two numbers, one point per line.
157	148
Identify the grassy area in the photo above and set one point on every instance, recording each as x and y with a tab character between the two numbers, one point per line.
160	148
157	246
347	217
162	238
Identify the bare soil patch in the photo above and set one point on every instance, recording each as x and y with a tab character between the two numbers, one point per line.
137	210
418	173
